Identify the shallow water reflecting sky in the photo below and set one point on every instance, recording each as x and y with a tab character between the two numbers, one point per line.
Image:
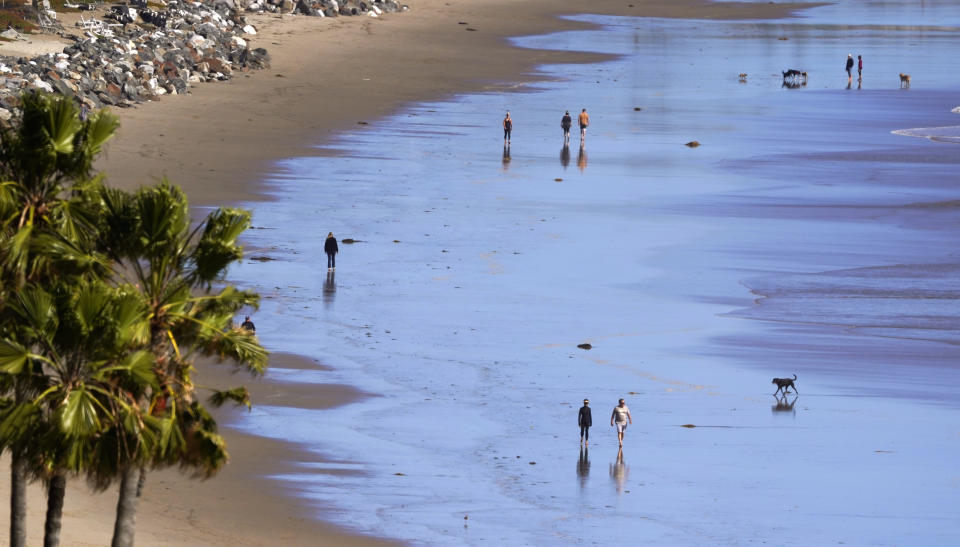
801	237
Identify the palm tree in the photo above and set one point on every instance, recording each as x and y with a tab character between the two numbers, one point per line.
174	266
41	218
85	338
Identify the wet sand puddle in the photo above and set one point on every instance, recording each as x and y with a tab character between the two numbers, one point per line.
801	237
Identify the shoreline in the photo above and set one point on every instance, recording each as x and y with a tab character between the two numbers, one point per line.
218	143
220	140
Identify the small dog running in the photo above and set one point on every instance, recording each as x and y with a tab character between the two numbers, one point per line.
785	384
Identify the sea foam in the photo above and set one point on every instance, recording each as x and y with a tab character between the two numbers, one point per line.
949	133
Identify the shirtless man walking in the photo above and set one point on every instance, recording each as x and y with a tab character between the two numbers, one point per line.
584	121
620	417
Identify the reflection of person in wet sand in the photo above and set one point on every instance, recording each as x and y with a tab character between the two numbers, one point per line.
582	158
583	465
619	418
506	156
330	287
565	156
619	471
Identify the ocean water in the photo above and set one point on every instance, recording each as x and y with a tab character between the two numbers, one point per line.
803	236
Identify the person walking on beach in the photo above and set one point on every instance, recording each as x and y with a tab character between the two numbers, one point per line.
566	122
330	247
507	128
585	420
859	67
849	67
620	417
583	120
248	325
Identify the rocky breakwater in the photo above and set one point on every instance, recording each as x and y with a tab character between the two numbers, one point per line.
324	8
154	53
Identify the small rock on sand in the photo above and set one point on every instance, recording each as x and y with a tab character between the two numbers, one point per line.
688	426
585	346
693	144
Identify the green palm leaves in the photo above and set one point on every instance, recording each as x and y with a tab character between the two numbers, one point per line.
106	297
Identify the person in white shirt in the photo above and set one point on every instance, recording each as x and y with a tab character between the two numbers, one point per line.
620	418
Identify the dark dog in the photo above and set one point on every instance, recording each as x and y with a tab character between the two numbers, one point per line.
795	75
785	384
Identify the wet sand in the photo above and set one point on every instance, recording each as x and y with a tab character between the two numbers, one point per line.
799	238
328	75
220	142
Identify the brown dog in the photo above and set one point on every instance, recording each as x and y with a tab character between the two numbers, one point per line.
785	384
904	80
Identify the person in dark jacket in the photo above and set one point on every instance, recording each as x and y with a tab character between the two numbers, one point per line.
585	420
330	247
849	67
248	325
566	122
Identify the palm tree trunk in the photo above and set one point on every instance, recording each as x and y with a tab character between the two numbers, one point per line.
141	481
18	501
125	524
55	493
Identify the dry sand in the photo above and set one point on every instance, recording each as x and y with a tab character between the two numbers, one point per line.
327	75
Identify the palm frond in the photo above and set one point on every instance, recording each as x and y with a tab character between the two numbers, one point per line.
238	395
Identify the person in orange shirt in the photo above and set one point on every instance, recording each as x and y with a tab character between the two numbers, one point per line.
584	121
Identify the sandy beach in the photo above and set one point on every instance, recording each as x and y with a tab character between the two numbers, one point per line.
237	142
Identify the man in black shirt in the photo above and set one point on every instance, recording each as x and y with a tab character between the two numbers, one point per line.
247	325
585	420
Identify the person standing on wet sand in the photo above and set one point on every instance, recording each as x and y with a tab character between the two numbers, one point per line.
585	420
620	417
849	67
859	67
583	120
566	123
507	128
330	247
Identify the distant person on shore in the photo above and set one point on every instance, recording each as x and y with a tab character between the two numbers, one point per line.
849	67
585	420
330	247
248	325
620	417
859	67
566	123
583	120
507	128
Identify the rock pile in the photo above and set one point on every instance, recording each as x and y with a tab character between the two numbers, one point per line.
323	8
167	53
